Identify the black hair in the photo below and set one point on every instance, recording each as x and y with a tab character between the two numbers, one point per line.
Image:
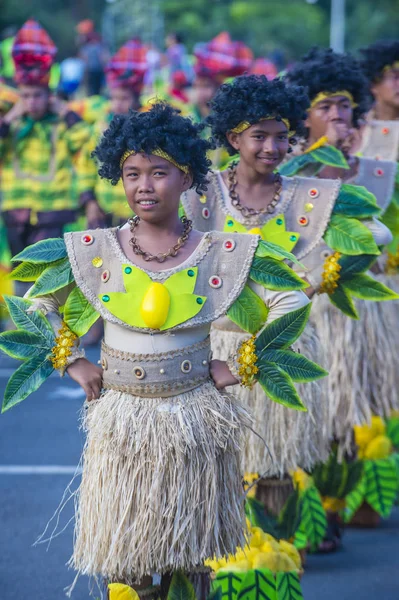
323	70
161	127
251	98
377	56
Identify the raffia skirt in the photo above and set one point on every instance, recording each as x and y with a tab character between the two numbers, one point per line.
285	439
161	486
362	359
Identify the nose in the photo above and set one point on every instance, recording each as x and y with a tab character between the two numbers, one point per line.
270	145
145	184
335	112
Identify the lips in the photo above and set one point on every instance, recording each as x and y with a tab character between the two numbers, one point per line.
147	202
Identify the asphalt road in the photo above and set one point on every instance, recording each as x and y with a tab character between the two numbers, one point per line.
40	446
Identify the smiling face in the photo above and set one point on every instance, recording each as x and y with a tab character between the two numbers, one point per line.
336	109
153	187
263	146
386	91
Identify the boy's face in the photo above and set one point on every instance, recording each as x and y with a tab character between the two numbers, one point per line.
122	100
336	110
386	91
263	146
153	187
35	99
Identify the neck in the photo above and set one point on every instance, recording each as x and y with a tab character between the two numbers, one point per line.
386	112
169	227
248	177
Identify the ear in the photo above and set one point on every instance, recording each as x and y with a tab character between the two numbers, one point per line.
234	140
187	181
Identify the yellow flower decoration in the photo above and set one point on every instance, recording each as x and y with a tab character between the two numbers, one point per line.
323	141
301	479
330	274
62	350
392	263
334	505
247	359
249	480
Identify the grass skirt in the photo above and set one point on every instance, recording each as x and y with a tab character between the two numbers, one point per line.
287	439
362	360
161	485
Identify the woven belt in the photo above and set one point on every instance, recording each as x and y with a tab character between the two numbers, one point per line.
152	375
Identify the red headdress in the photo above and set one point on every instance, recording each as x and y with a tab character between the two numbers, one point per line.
33	54
222	58
128	67
264	66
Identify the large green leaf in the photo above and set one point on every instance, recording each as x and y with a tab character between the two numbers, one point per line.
352	265
45	251
393	430
300	539
52	279
27	271
215	594
248	312
79	314
259	584
355	475
270	250
256	514
275	275
356	201
298	367
26	380
342	300
329	156
314	520
349	236
180	588
34	322
290	516
390	218
284	331
229	582
288	586
354	500
330	477
365	287
295	164
22	344
381	485
279	387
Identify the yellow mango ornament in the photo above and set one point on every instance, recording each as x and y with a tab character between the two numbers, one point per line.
155	306
119	591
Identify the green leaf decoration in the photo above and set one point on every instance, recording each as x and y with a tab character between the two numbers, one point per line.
22	344
288	586
390	218
329	156
258	584
381	485
331	477
275	275
256	514
342	300
26	380
365	287
181	588
215	594
314	520
54	278
33	322
300	539
298	367
270	250
279	387
295	165
394	458
284	331
290	516
356	201
27	271
249	311
392	430
355	475
354	500
229	582
79	314
352	265
45	251
349	236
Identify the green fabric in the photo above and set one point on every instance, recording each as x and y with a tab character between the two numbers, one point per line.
43	133
273	231
7	63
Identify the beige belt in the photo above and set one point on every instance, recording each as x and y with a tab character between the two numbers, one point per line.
152	375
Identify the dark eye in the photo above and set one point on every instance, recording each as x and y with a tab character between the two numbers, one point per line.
282	136
160	173
131	175
259	137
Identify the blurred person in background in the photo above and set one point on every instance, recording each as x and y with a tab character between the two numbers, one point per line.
7	66
95	56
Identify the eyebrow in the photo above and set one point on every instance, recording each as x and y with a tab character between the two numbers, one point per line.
133	168
263	131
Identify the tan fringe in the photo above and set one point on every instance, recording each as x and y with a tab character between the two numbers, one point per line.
292	438
161	486
362	361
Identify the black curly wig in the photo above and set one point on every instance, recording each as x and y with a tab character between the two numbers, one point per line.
378	56
161	127
251	98
323	70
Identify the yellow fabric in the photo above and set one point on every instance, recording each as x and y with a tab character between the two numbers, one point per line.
161	154
181	303
325	95
273	231
323	141
244	125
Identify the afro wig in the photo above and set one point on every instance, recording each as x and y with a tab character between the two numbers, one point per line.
251	98
378	56
161	127
323	70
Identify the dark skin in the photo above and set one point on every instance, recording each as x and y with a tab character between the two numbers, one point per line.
153	187
386	94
